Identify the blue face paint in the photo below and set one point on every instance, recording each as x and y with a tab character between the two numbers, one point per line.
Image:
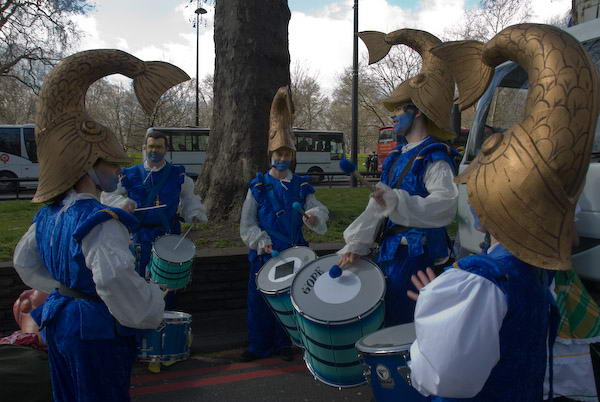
403	123
281	165
155	157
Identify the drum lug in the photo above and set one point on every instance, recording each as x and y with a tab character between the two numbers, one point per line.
190	338
162	326
163	338
404	372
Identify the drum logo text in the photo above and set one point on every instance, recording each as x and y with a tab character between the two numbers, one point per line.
310	282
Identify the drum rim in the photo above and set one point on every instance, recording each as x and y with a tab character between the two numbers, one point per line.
277	292
178	319
375	351
349	320
155	253
394	351
320	378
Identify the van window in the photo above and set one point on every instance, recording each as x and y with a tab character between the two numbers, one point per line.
30	145
10	140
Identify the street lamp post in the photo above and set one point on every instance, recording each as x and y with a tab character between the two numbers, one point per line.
198	12
354	150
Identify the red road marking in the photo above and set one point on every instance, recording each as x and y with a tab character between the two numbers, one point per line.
152	389
141	379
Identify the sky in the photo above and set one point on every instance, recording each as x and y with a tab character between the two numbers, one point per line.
320	31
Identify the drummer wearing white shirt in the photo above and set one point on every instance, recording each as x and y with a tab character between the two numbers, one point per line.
496	314
413	203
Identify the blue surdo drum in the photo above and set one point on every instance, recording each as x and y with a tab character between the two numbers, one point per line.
274	281
334	313
171	342
386	354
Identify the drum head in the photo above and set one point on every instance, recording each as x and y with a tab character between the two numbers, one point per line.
388	340
323	299
164	247
278	273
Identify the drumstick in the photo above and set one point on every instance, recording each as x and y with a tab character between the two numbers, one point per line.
274	253
349	168
147	208
298	207
183	237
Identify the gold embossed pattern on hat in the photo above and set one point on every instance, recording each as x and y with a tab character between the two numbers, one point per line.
525	182
432	90
69	141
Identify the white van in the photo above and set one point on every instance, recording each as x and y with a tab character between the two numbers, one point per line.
18	155
501	106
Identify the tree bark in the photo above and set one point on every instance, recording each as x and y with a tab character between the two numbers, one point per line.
252	61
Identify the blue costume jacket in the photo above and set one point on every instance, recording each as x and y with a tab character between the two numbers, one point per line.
425	245
277	217
90	352
531	317
149	189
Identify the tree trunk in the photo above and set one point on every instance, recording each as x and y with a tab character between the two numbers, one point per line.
252	61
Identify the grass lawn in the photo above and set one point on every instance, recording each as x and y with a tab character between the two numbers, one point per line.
344	204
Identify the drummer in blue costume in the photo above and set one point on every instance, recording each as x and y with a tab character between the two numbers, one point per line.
269	223
416	197
495	312
156	183
77	248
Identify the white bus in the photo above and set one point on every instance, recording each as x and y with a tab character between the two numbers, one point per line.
18	155
502	105
317	151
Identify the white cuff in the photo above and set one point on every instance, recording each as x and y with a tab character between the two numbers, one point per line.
355	248
391	202
321	226
263	242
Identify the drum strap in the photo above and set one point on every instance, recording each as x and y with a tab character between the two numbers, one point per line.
155	189
76	294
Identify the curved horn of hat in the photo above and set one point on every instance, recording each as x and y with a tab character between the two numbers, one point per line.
525	182
281	120
432	90
69	141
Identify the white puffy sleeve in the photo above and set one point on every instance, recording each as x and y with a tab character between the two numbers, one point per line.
29	265
360	235
312	206
191	203
252	235
117	199
457	319
134	302
436	210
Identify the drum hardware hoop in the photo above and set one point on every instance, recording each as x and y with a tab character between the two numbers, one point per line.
332	323
166	358
332	364
324	346
162	326
324	381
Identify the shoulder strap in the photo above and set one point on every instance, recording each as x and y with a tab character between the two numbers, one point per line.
409	165
158	186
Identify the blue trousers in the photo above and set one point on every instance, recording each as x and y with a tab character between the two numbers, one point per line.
87	370
265	333
399	308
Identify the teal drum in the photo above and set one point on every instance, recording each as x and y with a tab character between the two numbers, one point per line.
171	262
334	313
274	281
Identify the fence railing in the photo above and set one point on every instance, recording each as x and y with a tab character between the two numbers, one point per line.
11	186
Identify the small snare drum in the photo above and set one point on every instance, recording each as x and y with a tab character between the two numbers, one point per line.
169	343
386	354
274	281
171	267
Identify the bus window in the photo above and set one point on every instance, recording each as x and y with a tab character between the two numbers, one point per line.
10	140
335	144
30	146
179	143
203	142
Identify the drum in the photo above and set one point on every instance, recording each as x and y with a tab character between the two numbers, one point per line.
274	281
171	342
386	354
332	314
171	267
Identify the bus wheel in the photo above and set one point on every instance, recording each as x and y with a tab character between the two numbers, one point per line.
7	187
316	178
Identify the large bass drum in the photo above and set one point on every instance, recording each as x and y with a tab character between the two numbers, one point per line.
334	313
